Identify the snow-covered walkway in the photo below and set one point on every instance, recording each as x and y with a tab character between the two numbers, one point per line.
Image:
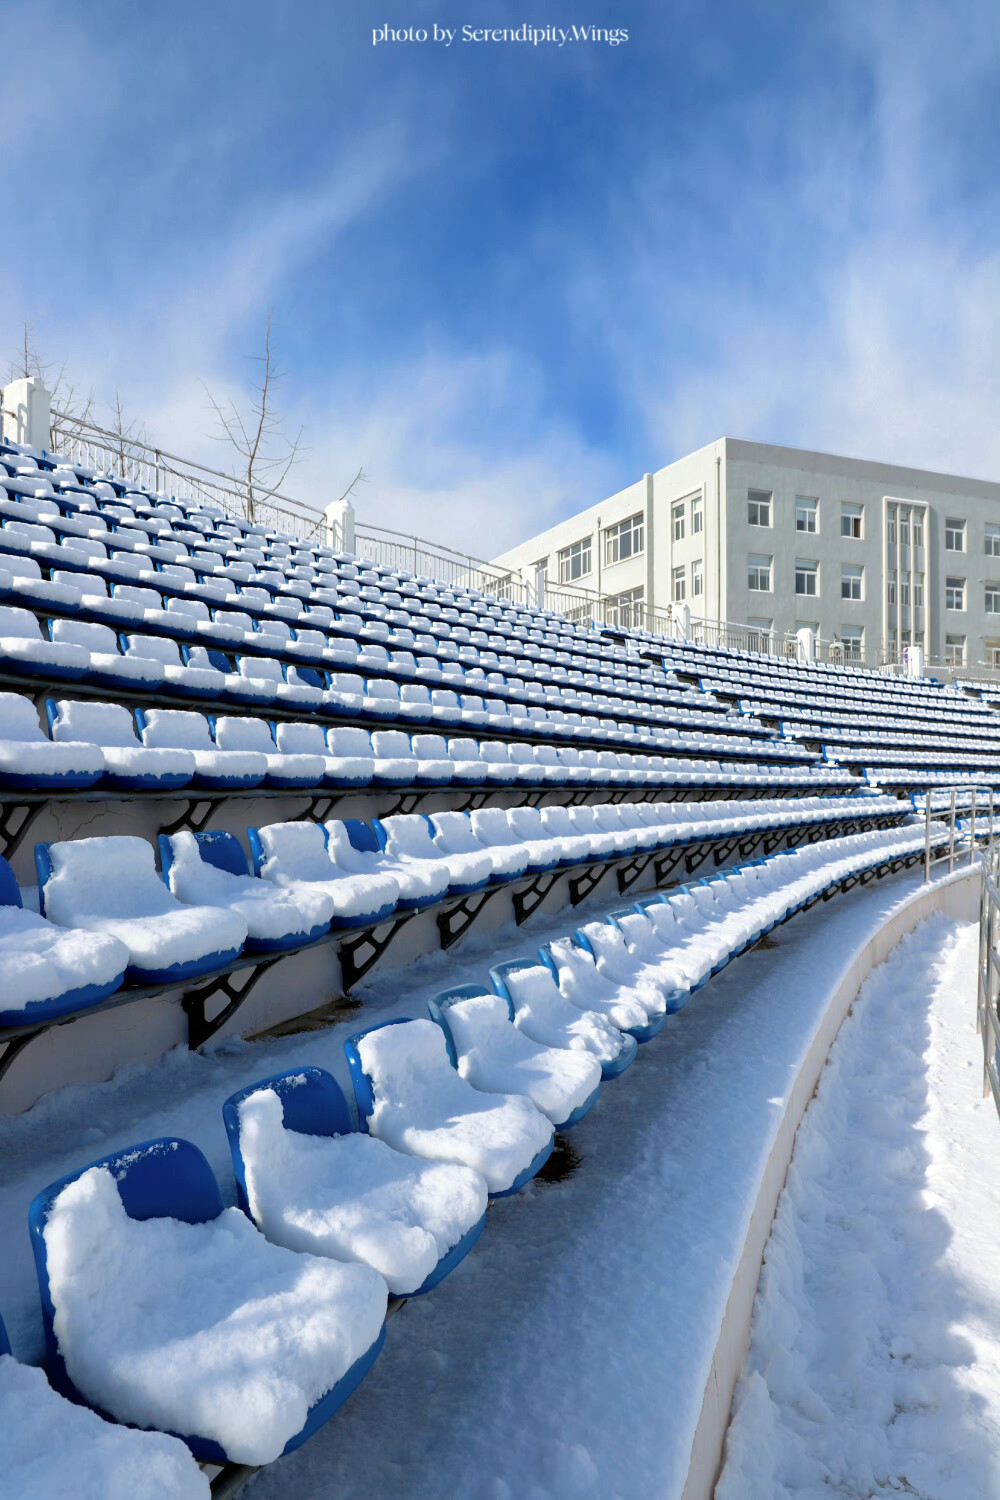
874	1367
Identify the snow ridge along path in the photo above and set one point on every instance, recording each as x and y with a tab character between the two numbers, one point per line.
874	1364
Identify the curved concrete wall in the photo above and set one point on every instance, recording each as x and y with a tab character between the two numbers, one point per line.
958	897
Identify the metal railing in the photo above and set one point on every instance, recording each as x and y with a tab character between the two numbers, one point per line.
988	988
977	802
153	469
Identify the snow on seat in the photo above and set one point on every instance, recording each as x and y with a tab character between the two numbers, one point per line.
106	667
468	766
605	843
492	1054
196	682
352	751
291	853
527	831
345	693
165	1309
309	740
575	973
357	848
256	735
435	766
544	1015
30	761
312	1183
46	971
211	869
409	836
183	729
395	763
21	578
110	885
110	730
638	966
574	848
54	1447
529	771
409	1095
269	670
25	651
455	833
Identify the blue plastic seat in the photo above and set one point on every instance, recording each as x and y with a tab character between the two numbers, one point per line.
364	1094
313	1104
166	1178
614	1056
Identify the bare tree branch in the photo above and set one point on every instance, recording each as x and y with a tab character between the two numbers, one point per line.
75	408
263	454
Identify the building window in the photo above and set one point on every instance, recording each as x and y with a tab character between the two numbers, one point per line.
890	585
697	516
954	535
954	593
954	650
918	531
541	566
624	540
697	580
679	584
992	653
626	610
852	582
904	531
806	513
993	598
904	589
759	507
574	562
992	544
852	521
677	512
892	646
890	529
918	590
852	638
807	578
759	574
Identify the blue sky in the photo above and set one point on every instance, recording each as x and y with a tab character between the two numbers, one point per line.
510	279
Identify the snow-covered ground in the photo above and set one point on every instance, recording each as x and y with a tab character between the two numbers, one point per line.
874	1367
566	1357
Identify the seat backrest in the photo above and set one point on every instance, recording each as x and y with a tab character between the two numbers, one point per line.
221	850
20	624
92	723
19	719
453	833
173	729
265	667
10	891
153	647
406	833
294	850
233	733
293	738
312	1103
429	747
464	749
355	743
85	873
394	1059
391	743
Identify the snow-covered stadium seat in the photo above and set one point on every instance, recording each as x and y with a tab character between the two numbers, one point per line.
30	761
357	849
544	1015
25	651
211	869
284	769
165	1309
53	1446
578	979
454	833
47	971
313	1183
183	729
495	1056
409	1095
291	853
409	837
110	729
110	886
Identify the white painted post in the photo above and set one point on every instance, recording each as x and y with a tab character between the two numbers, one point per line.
27	413
805	644
340	524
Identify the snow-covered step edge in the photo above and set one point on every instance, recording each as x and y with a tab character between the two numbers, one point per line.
957	895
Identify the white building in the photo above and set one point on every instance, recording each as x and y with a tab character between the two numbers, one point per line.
873	557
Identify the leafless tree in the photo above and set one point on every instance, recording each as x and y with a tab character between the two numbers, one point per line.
129	434
263	454
71	409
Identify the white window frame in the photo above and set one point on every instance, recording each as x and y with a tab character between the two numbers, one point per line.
918	591
697	516
955	647
760	502
807	509
852	575
852	640
759	565
677	511
697	579
955	531
991	540
678	584
625	539
890	586
991	598
581	551
954	588
852	521
807	571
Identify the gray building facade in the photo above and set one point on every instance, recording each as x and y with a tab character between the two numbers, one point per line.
873	557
